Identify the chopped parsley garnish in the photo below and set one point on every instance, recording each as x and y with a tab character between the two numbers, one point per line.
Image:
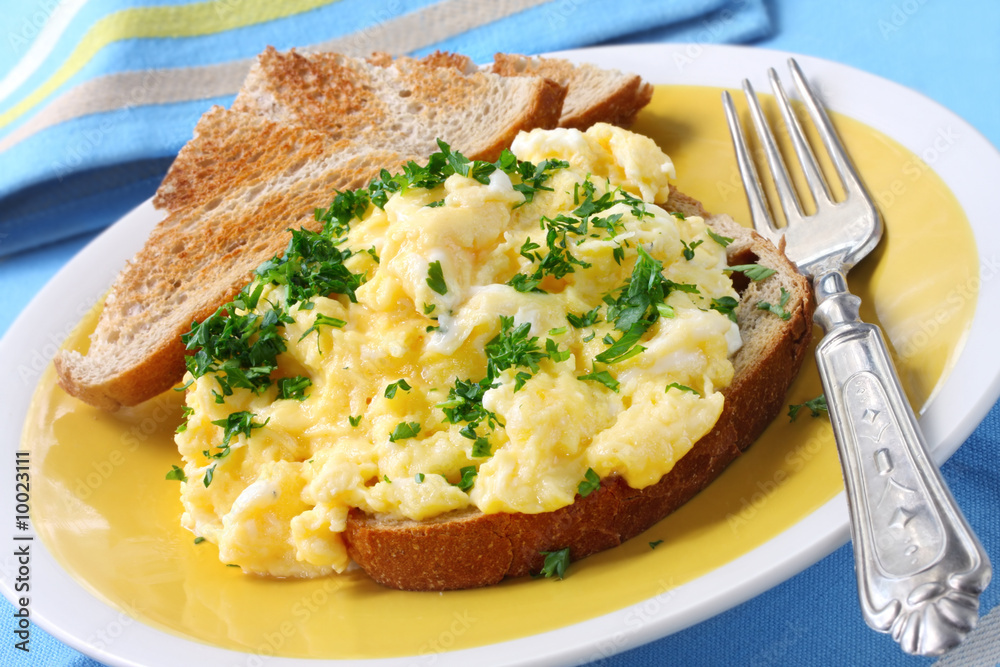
240	347
778	310
626	346
602	377
724	241
552	348
177	473
435	278
754	272
429	308
640	302
589	318
465	404
391	388
678	385
293	387
468	478
354	419
557	262
419	477
689	249
199	539
558	331
512	347
322	321
817	406
555	563
591	482
404	430
481	448
186	412
237	423
653	545
726	305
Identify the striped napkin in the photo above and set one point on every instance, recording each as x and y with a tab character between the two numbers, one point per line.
97	96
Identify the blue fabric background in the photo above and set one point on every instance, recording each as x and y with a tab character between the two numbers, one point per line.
948	51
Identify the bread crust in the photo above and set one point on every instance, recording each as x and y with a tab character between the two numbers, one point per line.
469	549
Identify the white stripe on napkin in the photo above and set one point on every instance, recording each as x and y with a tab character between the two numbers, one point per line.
40	49
125	90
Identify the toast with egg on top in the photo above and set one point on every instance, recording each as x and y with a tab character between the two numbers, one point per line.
467	548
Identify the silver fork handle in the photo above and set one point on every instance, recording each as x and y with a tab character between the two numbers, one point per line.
920	568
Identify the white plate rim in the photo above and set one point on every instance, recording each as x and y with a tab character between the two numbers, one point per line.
66	610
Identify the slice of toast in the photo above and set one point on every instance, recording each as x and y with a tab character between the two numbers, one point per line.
405	105
594	95
245	182
467	549
251	173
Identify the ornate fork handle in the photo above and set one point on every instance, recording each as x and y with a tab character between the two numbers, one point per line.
920	567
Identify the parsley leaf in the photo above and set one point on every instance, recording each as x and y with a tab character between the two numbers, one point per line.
419	477
322	321
591	482
602	377
354	419
552	348
724	241
817	406
404	430
626	346
653	545
726	305
589	318
754	272
177	473
293	387
778	310
435	278
468	478
390	389
512	347
677	385
689	249
481	447
238	423
186	412
555	563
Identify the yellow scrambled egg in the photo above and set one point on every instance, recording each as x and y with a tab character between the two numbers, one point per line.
436	308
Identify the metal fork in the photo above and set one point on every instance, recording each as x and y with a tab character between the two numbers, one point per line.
920	567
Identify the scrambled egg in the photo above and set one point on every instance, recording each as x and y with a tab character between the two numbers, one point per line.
277	500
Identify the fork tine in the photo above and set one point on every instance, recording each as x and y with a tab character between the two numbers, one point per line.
841	162
779	174
814	177
748	173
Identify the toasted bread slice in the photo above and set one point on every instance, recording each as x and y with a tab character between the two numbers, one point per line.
468	548
406	105
245	182
594	95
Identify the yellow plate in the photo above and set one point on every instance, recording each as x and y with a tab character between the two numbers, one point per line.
105	512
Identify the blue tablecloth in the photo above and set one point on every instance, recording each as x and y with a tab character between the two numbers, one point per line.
72	161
